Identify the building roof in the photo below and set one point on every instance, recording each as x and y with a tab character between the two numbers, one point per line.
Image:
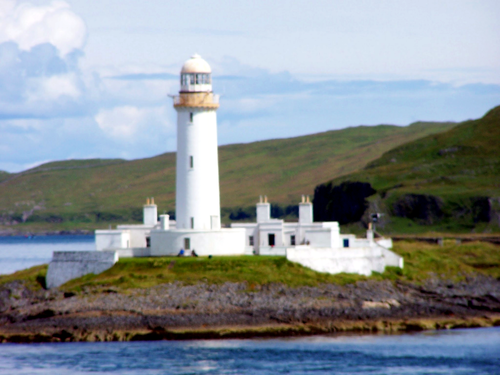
196	65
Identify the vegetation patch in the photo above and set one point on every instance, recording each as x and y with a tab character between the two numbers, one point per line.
422	262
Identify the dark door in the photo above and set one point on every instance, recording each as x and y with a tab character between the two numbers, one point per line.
270	237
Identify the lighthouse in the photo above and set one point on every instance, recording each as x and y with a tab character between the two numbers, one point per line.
197	177
197	196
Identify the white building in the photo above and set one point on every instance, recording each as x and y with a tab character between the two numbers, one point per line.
319	246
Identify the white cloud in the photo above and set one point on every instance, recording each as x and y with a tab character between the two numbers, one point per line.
52	88
128	123
29	25
119	122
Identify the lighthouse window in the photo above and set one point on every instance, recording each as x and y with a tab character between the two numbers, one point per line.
192	78
292	240
192	223
250	240
191	116
191	162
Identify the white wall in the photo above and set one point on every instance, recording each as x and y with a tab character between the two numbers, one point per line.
112	239
222	242
362	261
273	251
138	233
321	237
197	188
271	227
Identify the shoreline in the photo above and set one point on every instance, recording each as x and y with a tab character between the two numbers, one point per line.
179	311
340	327
75	232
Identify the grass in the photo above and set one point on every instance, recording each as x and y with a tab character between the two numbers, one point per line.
100	191
458	167
422	261
448	262
33	278
256	271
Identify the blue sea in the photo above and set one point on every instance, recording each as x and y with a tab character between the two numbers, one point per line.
471	351
18	253
467	352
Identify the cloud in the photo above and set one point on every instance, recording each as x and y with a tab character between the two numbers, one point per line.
39	83
40	46
30	25
120	122
129	123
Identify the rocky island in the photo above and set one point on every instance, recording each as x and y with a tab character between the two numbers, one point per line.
441	287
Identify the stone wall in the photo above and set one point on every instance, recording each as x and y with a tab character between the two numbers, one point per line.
69	265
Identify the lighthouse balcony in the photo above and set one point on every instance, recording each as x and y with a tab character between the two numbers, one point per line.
199	99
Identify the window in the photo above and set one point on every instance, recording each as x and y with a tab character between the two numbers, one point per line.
346	242
292	240
148	242
192	223
271	238
191	79
250	240
191	117
187	243
191	162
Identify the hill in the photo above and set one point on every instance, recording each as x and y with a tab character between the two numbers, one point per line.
444	182
90	193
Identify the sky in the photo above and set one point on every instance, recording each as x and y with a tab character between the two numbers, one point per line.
90	79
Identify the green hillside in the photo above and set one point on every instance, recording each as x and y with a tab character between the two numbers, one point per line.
91	193
443	182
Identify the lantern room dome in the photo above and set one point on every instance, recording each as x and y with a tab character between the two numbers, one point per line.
196	65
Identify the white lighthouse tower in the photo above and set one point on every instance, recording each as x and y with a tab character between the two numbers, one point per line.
197	206
197	185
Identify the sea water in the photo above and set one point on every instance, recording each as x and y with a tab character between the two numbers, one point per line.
467	352
18	253
472	351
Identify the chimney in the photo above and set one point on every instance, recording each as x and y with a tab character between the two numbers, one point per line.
263	210
305	211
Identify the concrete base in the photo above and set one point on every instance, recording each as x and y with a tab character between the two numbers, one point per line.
68	265
225	241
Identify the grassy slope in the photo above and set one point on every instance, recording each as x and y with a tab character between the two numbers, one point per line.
4	175
456	165
422	261
282	169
